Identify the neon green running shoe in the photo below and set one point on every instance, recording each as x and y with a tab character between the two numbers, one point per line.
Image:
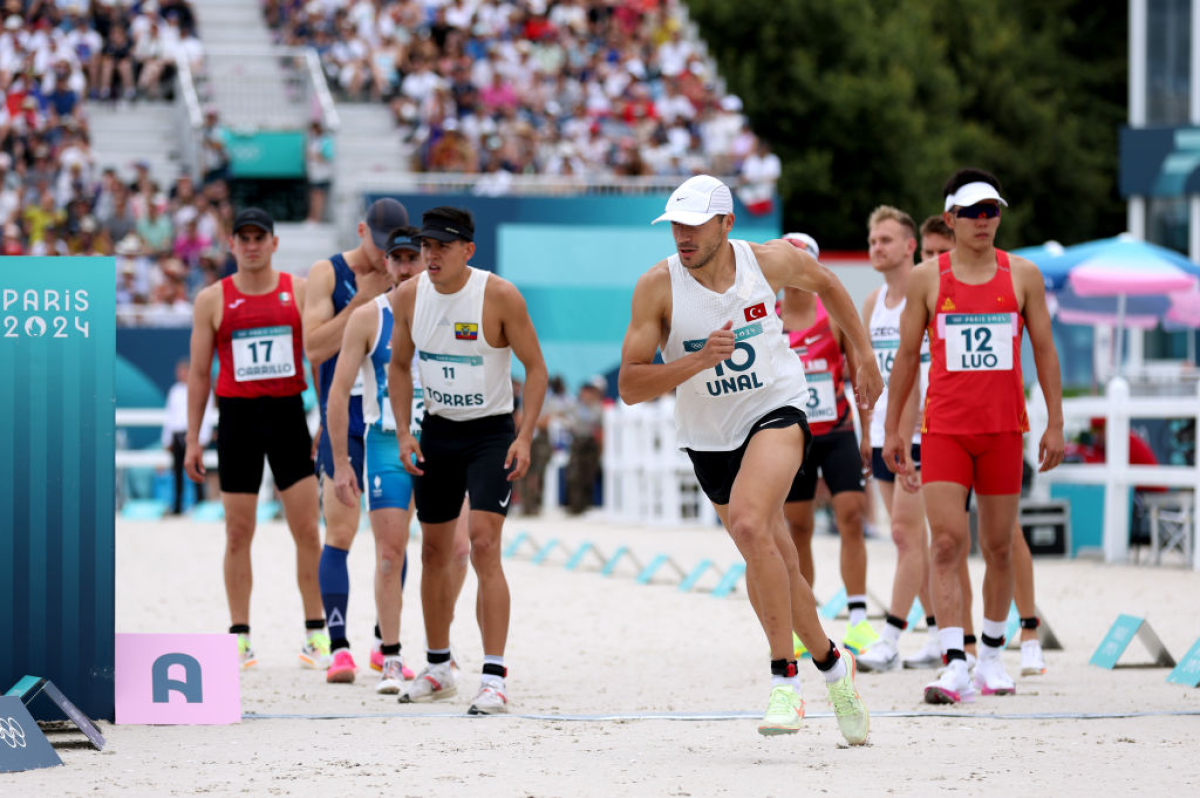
246	658
852	716
315	651
784	712
860	637
798	649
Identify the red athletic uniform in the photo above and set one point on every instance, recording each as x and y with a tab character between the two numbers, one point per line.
975	406
260	343
825	372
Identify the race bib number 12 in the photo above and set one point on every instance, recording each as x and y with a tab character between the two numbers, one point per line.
978	342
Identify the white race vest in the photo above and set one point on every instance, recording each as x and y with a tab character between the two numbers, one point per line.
885	340
715	409
462	375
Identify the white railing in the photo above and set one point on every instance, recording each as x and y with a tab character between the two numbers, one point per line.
269	88
189	118
149	458
554	185
1117	406
647	478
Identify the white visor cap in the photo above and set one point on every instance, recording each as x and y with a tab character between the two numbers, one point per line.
973	193
697	200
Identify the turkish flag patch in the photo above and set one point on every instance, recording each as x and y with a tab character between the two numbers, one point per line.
758	311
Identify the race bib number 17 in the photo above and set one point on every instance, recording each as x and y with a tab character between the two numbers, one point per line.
264	353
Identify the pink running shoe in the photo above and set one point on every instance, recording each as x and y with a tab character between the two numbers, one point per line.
342	669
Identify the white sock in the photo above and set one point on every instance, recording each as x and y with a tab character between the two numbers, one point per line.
993	629
789	681
838	671
491	680
891	634
857	615
951	637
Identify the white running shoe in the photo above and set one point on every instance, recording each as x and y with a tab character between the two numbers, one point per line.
435	683
879	658
930	656
1032	661
991	679
490	700
391	677
952	686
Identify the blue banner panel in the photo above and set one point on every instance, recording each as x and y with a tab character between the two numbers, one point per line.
57	351
1159	161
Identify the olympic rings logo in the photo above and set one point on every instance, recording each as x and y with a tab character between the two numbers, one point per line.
12	733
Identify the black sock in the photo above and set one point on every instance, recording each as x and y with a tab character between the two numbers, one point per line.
390	650
314	624
338	643
240	629
830	660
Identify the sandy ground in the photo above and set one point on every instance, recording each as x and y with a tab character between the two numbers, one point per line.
624	689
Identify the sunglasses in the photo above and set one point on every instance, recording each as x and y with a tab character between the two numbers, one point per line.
982	210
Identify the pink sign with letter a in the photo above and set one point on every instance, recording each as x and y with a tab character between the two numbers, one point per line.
177	679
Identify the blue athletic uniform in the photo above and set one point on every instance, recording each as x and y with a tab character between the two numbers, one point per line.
386	482
345	286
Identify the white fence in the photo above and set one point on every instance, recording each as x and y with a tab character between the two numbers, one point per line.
1118	406
647	479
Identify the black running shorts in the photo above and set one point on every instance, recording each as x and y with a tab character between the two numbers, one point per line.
716	471
879	468
248	429
463	457
836	456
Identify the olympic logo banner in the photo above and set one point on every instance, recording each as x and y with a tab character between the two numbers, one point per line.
57	361
22	744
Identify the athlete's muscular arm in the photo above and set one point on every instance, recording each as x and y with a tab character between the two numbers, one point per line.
1037	321
906	369
323	329
400	381
865	414
518	330
784	264
640	378
204	335
355	343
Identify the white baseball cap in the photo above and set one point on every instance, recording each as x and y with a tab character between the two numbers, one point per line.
973	193
810	243
697	200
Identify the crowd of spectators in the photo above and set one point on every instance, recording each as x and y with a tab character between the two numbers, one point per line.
582	89
56	56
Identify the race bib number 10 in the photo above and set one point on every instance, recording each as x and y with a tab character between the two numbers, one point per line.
264	353
978	342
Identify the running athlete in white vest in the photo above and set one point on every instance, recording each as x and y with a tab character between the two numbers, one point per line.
740	399
464	325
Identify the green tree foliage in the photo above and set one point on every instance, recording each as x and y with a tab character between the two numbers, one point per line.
878	101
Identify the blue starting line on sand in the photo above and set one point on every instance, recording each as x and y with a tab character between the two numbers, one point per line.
716	716
660	567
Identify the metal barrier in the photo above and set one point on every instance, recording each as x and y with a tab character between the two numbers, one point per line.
148	458
542	185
